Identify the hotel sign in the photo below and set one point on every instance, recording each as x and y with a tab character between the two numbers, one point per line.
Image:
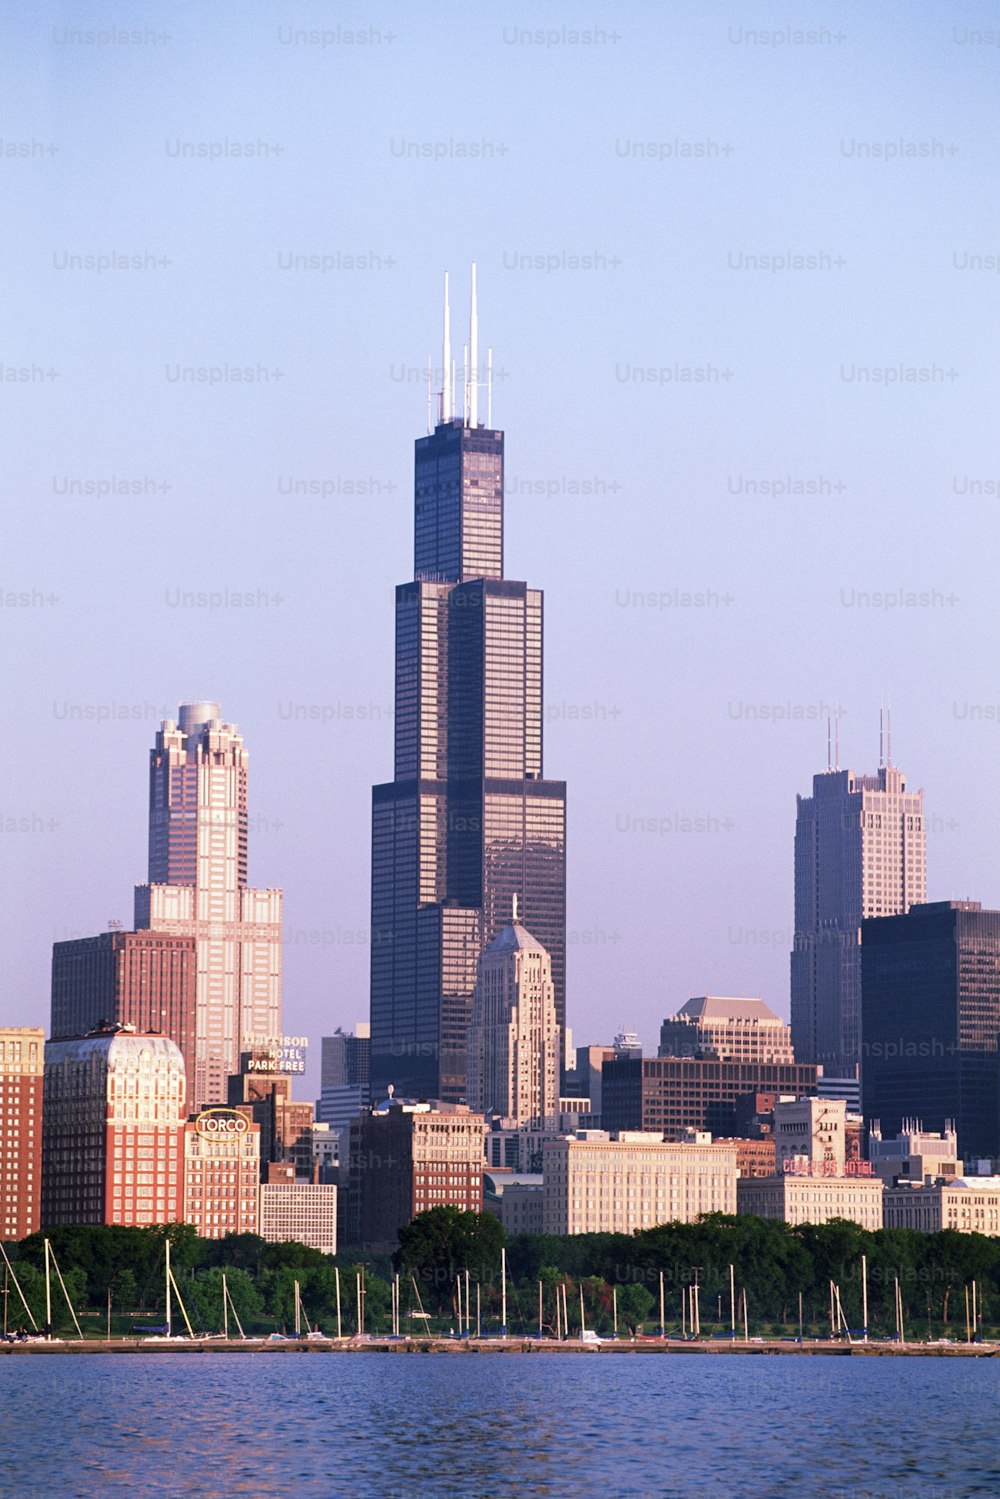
801	1165
221	1123
285	1054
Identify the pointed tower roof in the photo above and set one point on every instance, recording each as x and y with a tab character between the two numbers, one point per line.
511	938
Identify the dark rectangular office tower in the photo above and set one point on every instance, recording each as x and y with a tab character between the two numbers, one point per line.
930	1019
468	821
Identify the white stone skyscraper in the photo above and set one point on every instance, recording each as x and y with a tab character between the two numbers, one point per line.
860	851
199	771
514	1038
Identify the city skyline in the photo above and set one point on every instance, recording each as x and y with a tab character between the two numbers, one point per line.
725	558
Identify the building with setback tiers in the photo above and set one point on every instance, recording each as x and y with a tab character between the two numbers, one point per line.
860	851
468	820
204	963
514	1062
22	1057
198	845
733	1030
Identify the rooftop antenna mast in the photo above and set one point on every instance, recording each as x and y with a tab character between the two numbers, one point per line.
836	736
888	732
474	354
829	743
881	734
446	390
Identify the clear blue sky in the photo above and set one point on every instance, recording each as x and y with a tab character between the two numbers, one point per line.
671	147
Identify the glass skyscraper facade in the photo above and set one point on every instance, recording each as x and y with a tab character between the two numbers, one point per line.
931	1022
468	821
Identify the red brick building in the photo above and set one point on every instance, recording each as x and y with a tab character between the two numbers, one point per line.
408	1157
113	1130
143	979
22	1056
221	1173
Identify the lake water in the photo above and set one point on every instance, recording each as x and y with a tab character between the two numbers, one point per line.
391	1425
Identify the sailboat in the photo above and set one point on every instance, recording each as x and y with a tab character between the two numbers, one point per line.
171	1285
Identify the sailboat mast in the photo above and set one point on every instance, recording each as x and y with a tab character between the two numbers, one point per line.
48	1293
169	1328
503	1297
225	1308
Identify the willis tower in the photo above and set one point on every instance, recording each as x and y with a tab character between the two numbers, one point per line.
468	822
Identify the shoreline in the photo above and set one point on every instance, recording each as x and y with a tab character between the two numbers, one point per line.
499	1345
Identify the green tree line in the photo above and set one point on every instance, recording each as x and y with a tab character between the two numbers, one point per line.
773	1263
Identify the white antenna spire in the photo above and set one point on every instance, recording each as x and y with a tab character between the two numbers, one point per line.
446	388
489	387
881	734
829	744
474	354
465	385
452	412
836	725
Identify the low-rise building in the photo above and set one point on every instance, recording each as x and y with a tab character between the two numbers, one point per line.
406	1157
516	1199
671	1094
303	1211
804	1198
221	1173
753	1157
914	1154
596	1182
22	1057
970	1205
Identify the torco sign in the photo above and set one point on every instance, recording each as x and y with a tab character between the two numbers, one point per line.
221	1122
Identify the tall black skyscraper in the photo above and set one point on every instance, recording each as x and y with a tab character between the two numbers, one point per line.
930	1022
467	822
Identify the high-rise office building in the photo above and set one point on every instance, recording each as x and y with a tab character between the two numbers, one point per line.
513	1058
860	849
468	821
204	963
112	1137
144	979
345	1076
198	809
732	1030
22	1057
931	1022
